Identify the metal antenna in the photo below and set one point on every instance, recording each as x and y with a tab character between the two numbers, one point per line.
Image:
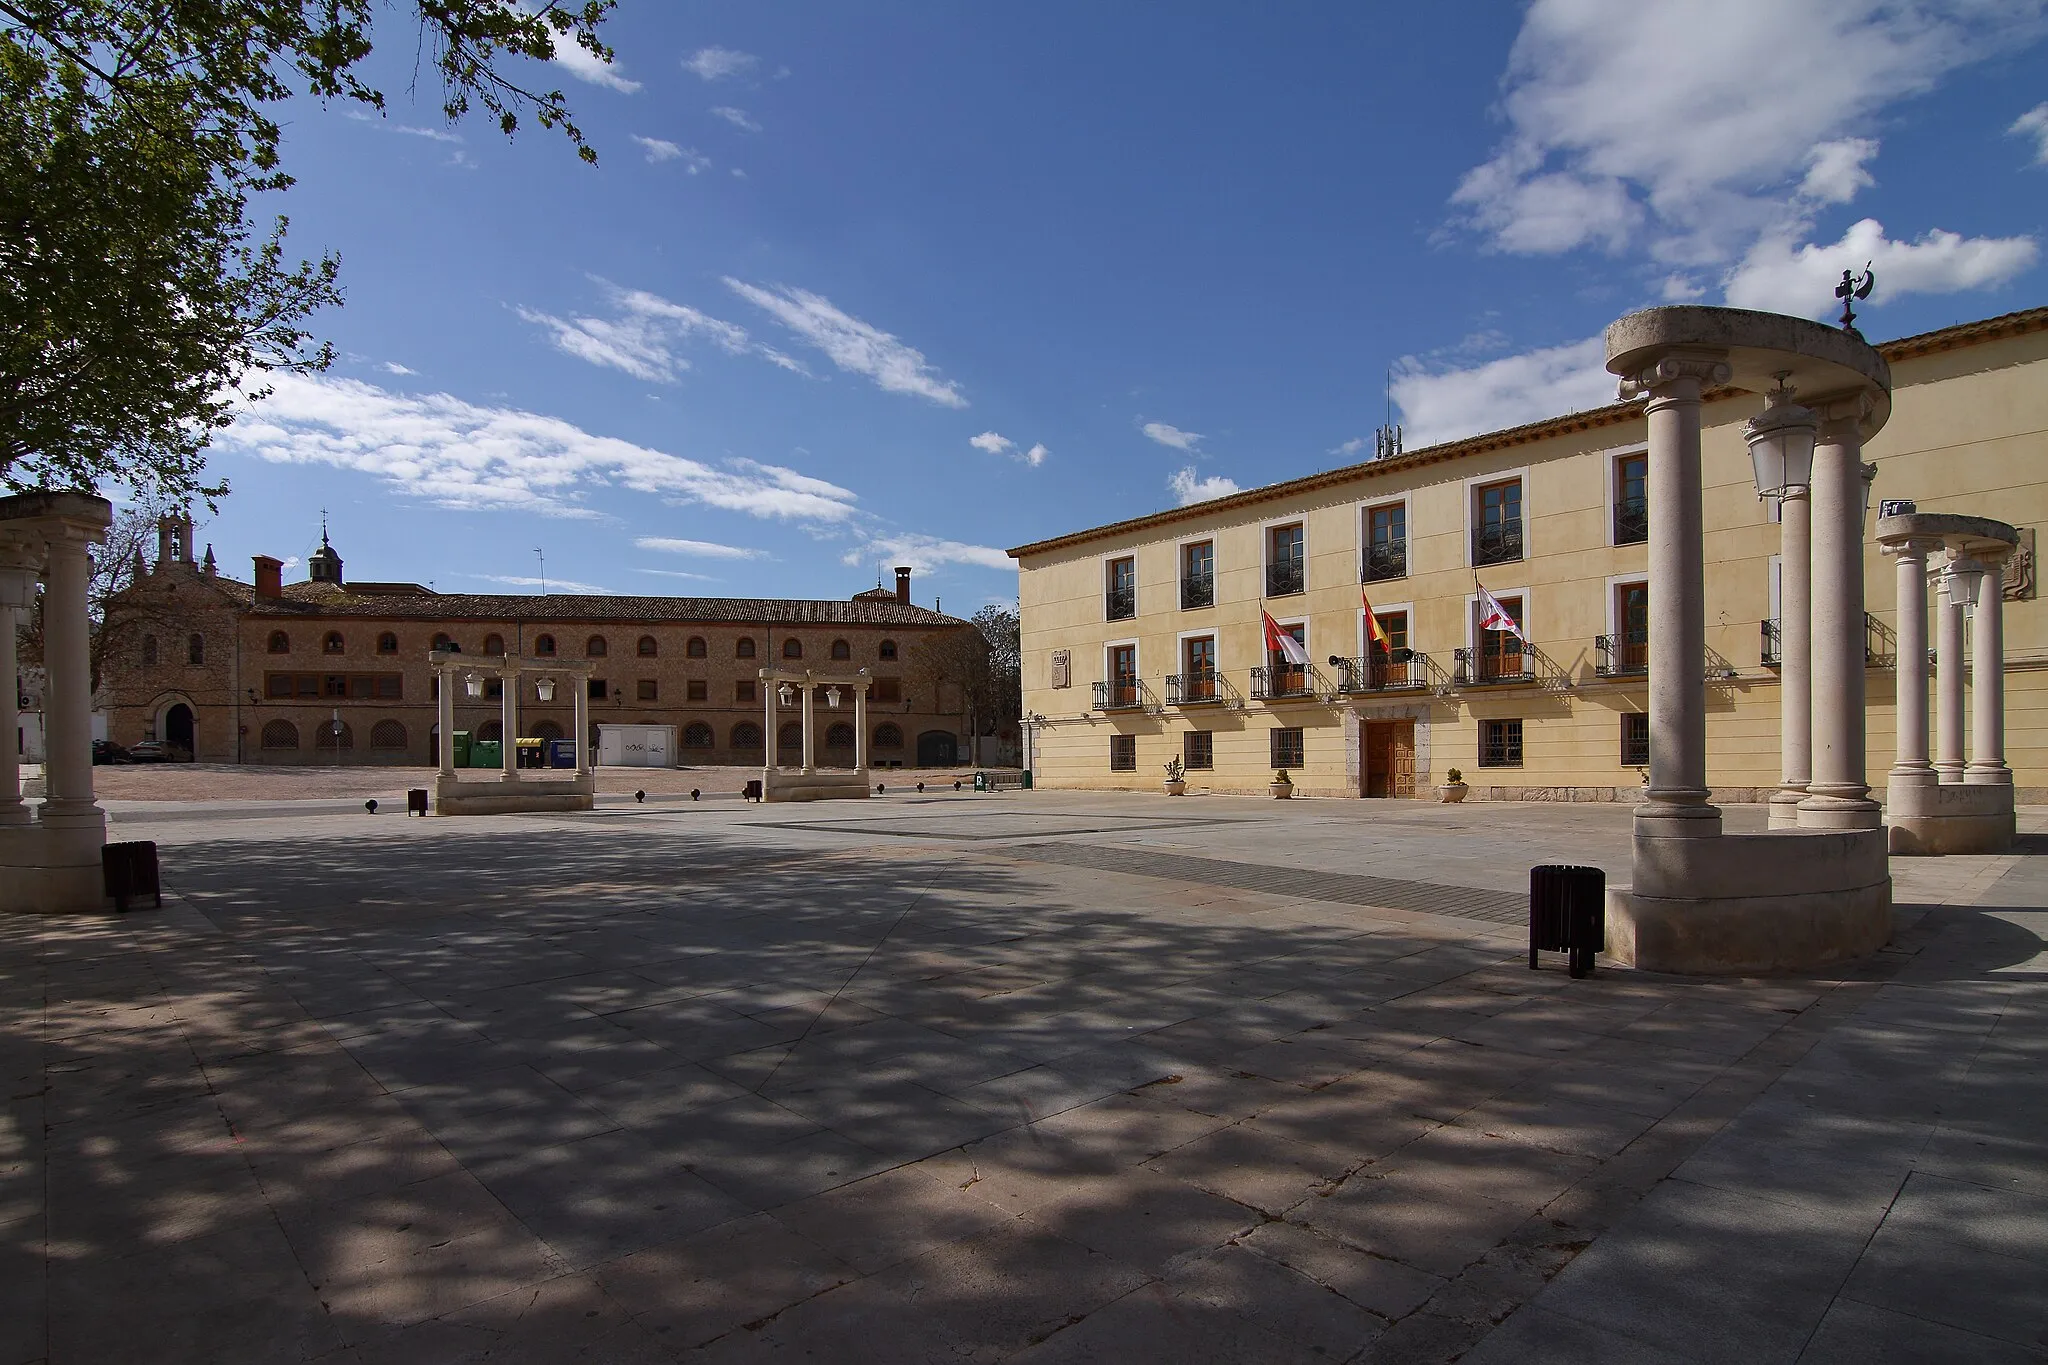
1386	442
543	570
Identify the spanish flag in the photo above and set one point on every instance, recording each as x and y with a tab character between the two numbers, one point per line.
1375	633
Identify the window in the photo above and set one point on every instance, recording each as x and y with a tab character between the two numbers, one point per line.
693	648
743	690
1120	589
1198	669
841	650
1123	675
544	646
491	730
888	736
1287	748
1498	537
649	690
697	735
195	650
745	648
494	644
149	651
1500	744
1635	740
1631	500
281	734
1198	750
595	647
887	651
1386	543
388	735
647	649
280	643
1500	651
1390	664
790	738
547	729
792	649
888	690
334	734
1631	653
1123	753
389	686
597	689
1285	562
441	641
494	687
746	737
1284	679
839	736
1198	575
332	643
696	689
387	643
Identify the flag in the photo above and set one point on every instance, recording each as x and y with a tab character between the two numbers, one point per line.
1494	616
1282	642
1375	633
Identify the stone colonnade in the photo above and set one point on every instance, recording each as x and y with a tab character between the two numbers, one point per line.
512	792
51	862
808	782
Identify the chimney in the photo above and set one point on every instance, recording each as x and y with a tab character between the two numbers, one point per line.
903	584
269	576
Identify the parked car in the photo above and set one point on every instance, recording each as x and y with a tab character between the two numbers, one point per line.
151	751
106	751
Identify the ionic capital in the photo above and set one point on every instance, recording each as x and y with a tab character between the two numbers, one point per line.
1678	375
1911	547
1844	418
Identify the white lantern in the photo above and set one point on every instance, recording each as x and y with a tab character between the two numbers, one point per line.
832	697
786	693
1964	578
473	684
544	688
1781	440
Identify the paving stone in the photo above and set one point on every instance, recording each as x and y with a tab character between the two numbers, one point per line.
1917	1272
881	1220
691	1291
1142	1219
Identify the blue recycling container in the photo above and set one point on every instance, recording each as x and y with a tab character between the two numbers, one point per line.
561	753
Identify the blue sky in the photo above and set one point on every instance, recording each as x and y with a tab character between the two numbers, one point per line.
911	283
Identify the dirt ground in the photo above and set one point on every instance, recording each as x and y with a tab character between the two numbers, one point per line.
229	782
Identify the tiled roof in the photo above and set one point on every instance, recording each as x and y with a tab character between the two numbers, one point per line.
323	599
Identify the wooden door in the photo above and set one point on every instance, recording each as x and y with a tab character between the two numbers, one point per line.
1401	759
1387	760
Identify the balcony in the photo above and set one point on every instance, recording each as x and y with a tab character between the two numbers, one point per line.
1198	592
1285	578
1621	657
1389	559
1403	671
1880	644
1500	543
1122	694
1120	604
1631	521
1198	687
1477	669
1286	682
1774	645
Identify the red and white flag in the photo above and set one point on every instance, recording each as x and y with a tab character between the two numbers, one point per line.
1282	642
1494	616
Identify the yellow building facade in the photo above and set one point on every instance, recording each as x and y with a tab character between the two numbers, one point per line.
1146	641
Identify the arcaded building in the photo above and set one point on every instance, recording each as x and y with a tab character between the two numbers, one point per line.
333	671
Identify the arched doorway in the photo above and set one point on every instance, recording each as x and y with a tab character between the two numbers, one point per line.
178	728
937	749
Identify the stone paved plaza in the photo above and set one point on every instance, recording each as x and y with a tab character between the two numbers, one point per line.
1030	1077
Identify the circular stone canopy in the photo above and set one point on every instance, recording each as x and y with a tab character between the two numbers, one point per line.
1973	534
1825	362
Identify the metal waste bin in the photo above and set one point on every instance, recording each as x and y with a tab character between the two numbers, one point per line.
462	748
131	872
1568	914
529	753
561	753
486	753
981	782
1025	783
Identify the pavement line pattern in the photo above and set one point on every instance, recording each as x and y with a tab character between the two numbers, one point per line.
1429	898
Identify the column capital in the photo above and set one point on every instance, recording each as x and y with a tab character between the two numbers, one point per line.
1845	418
1909	548
1678	374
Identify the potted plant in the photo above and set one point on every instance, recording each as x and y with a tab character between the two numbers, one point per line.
1281	786
1453	790
1176	782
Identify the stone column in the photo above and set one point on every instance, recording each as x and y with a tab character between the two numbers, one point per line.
447	682
769	755
1795	657
17	593
1949	675
1910	767
860	728
580	711
1677	805
1838	797
809	692
1987	678
508	722
67	690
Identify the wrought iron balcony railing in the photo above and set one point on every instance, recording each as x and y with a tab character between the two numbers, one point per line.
1500	543
1631	521
1286	682
1478	669
1401	671
1774	645
1197	592
1193	687
1880	644
1122	694
1285	578
1388	559
1621	657
1120	604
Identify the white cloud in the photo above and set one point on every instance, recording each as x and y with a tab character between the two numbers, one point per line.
2034	124
584	65
925	553
393	367
703	549
1172	436
1036	455
410	130
1646	125
658	150
1350	447
1780	277
853	345
1190	490
455	453
291	562
1448	404
553	585
642	338
717	63
997	444
680	573
738	118
1679	287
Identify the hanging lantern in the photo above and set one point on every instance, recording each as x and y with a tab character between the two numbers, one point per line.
832	697
786	693
1963	579
544	688
473	684
1781	440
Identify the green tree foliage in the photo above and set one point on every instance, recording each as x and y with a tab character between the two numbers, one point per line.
136	294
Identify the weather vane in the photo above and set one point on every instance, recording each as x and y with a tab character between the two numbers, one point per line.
1849	291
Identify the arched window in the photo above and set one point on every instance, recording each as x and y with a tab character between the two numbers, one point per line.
280	643
387	643
695	648
280	734
387	734
490	730
647	649
441	641
746	736
195	650
790	738
792	649
841	650
546	729
697	735
594	647
544	646
332	643
839	736
494	644
149	650
888	736
745	648
331	735
888	650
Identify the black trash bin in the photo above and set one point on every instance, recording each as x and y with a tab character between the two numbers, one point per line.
1568	914
131	873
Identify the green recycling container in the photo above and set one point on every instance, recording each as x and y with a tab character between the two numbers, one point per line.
1026	783
486	753
462	748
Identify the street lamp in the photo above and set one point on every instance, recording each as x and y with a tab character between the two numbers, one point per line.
1965	578
785	694
1781	440
832	697
544	688
473	685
